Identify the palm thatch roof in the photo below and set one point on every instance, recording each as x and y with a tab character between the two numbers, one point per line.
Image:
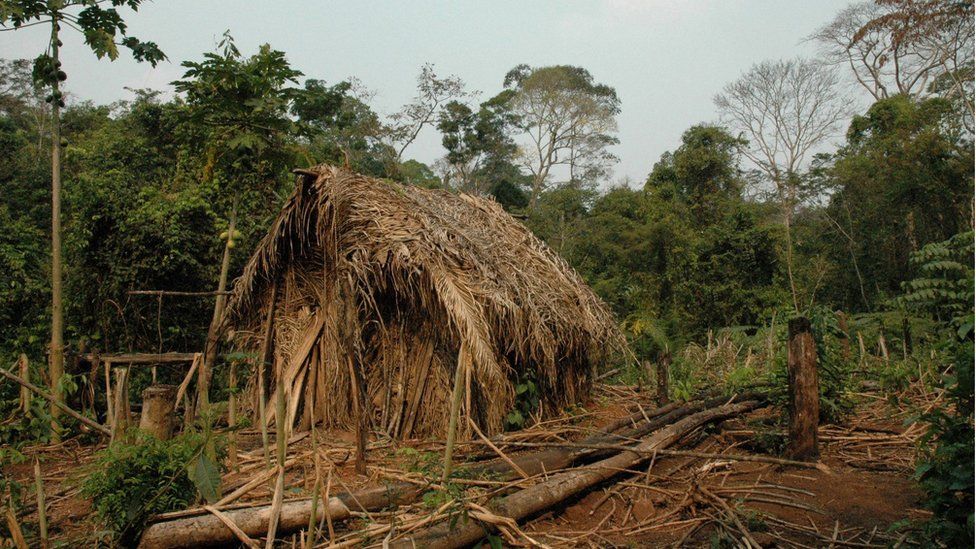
393	287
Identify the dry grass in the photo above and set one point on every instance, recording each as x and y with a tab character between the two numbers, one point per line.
400	276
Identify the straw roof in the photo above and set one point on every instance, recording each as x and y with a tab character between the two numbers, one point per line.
494	291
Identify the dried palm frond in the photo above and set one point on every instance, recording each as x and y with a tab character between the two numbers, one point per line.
403	275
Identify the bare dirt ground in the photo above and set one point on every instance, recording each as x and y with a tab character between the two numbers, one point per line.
862	489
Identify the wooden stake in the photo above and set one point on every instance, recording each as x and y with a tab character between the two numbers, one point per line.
281	432
845	338
906	337
804	391
121	404
264	358
41	507
663	368
16	533
109	401
358	410
24	367
456	394
232	415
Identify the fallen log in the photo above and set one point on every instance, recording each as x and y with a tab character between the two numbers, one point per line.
207	529
560	486
47	396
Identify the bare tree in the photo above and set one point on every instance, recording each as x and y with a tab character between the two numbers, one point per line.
784	109
568	120
432	93
904	47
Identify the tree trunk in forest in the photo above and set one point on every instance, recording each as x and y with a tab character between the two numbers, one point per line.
158	405
804	392
56	357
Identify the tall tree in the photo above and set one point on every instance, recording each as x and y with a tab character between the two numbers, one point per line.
433	92
784	109
568	120
104	31
918	48
478	143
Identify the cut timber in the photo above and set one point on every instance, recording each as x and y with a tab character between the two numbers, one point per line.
804	392
209	530
202	528
141	358
561	486
158	404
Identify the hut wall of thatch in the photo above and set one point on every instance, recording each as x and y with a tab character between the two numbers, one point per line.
398	286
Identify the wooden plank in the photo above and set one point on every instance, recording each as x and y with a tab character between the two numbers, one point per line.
141	358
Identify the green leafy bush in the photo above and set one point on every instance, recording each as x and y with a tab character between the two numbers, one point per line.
944	289
129	483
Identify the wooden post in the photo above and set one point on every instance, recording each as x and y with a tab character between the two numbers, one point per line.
452	421
158	406
41	505
25	396
663	368
232	415
906	337
861	348
264	359
121	405
109	400
355	386
804	391
845	338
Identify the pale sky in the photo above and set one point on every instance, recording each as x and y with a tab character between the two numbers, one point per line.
666	59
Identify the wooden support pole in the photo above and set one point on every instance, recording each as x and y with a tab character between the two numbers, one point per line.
804	392
845	338
456	394
175	293
663	369
232	415
264	359
906	337
47	396
158	407
121	405
41	505
355	386
24	368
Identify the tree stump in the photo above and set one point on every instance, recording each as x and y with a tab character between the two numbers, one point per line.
804	392
158	406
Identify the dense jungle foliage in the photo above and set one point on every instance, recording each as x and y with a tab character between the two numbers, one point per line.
696	260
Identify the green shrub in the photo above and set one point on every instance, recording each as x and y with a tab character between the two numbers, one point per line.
130	482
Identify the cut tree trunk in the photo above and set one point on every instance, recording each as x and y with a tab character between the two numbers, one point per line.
204	528
561	486
663	366
158	405
804	392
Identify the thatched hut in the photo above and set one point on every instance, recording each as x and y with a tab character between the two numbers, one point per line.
371	284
